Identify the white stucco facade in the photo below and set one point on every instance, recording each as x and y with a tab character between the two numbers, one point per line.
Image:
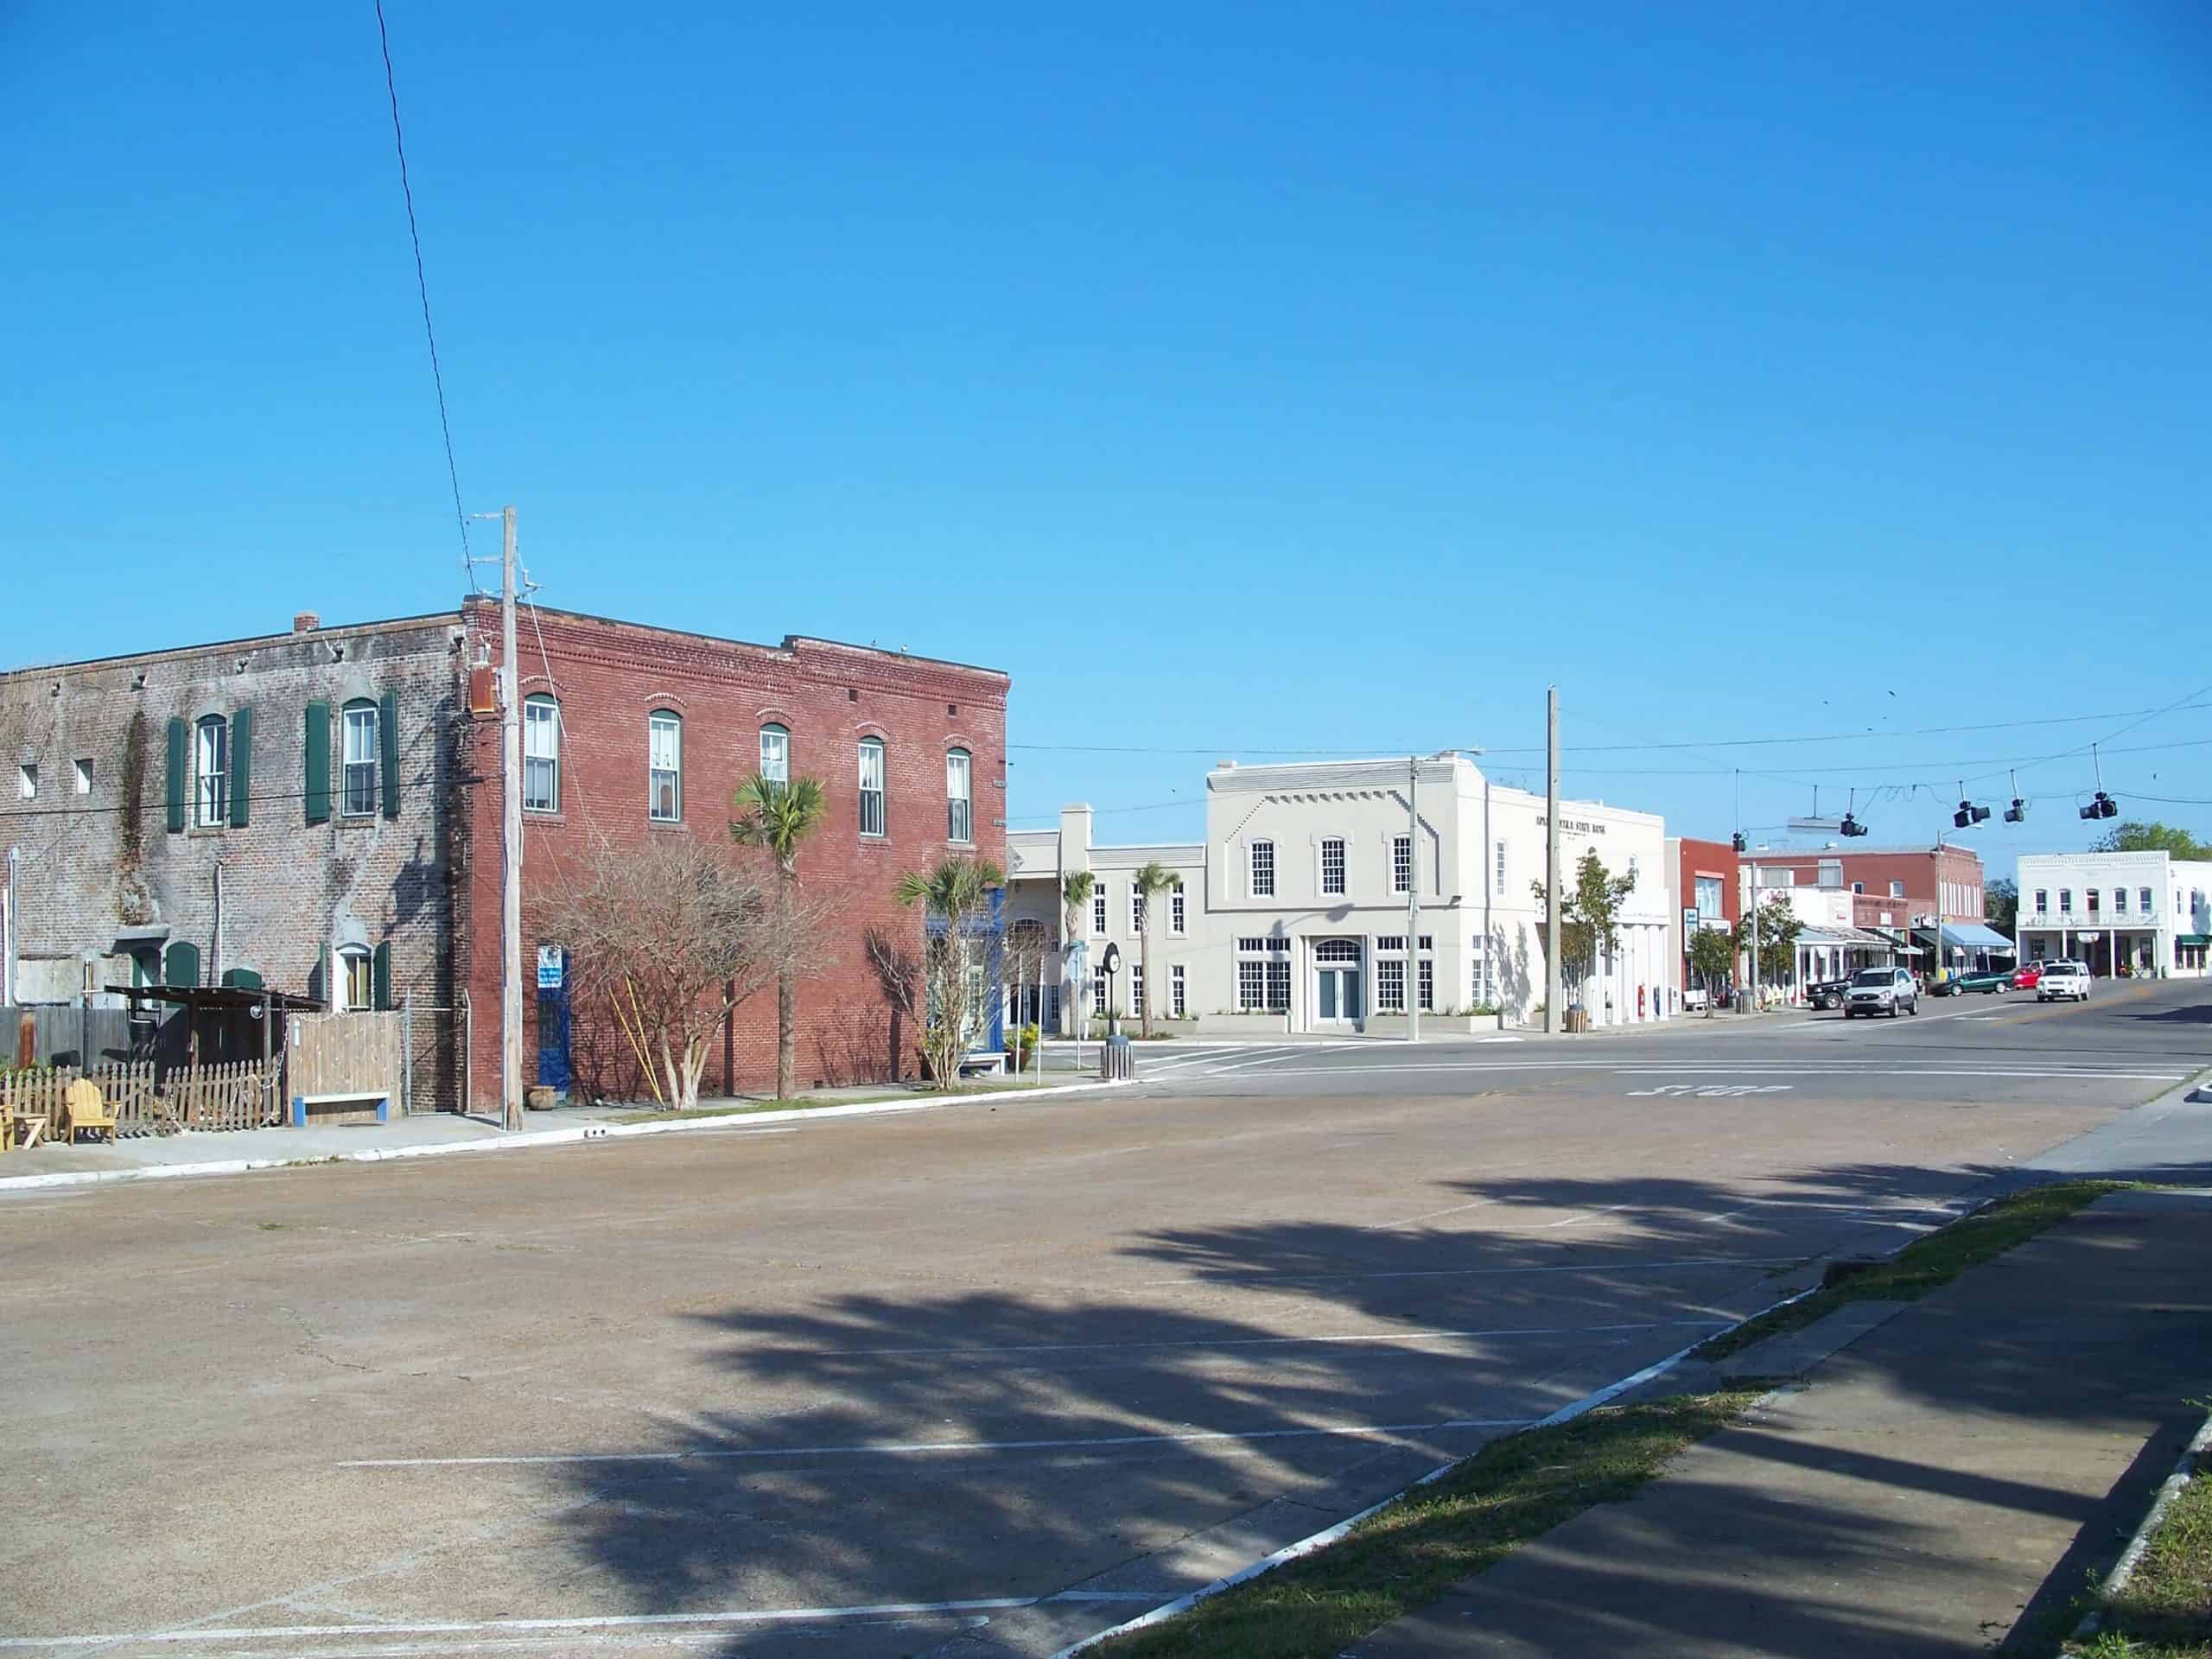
1294	909
2149	912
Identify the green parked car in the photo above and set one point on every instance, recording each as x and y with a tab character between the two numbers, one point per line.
1989	981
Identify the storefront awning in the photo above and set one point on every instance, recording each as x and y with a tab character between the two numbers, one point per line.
1850	939
2193	938
1973	936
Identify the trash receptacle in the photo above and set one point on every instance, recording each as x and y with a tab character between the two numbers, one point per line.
1744	1004
1117	1063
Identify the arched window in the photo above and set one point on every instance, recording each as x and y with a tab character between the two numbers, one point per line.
211	772
874	816
357	796
665	761
776	753
541	754
959	806
357	978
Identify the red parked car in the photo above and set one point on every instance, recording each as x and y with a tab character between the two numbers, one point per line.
2028	977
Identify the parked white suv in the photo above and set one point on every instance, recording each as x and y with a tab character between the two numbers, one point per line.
2070	980
1882	990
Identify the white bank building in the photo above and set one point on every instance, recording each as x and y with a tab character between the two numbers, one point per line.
1291	917
2120	912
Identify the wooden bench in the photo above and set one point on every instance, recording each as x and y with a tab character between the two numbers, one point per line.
341	1105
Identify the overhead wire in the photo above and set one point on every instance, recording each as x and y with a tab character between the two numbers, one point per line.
423	289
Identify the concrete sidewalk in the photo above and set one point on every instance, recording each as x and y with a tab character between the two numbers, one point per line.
1957	1473
432	1134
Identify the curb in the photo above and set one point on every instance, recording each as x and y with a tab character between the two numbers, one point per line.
1330	1535
530	1138
2184	1472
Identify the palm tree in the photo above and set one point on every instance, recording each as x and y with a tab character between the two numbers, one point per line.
778	817
955	893
1151	882
1075	898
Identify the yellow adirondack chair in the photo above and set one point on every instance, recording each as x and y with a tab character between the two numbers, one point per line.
87	1109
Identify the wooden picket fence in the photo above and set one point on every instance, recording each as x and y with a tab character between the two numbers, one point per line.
242	1094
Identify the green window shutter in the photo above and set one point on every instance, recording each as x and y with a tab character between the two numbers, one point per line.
241	764
318	766
178	760
243	979
181	965
380	975
388	738
319	985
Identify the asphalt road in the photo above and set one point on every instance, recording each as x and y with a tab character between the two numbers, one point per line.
973	1381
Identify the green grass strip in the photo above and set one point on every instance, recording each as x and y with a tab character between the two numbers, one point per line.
1925	1263
1512	1490
2165	1611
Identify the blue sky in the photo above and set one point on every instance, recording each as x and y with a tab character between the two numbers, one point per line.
1241	379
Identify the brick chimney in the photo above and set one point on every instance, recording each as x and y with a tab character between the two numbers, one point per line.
306	622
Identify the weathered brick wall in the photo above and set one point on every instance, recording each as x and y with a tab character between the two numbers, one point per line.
609	676
289	887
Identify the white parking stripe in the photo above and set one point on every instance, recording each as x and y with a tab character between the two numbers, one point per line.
915	1448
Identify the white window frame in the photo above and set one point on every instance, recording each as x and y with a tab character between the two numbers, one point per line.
1897	889
876	825
2145	901
357	776
541	753
357	969
1259	854
1176	913
1501	869
211	772
1099	911
776	753
664	784
2119	901
1401	864
959	797
27	780
1332	873
1136	989
1387	969
2066	901
83	775
2043	900
1136	913
1177	989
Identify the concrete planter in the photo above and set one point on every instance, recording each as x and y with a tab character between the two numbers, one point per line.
1244	1025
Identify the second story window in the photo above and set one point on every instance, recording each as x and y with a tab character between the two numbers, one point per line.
776	754
1098	907
2043	900
210	775
1175	914
665	763
2143	894
1332	865
541	755
959	810
2119	901
1136	913
1401	864
1263	869
2066	901
357	794
2095	901
873	814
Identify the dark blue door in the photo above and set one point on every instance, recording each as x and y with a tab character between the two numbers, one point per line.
553	1018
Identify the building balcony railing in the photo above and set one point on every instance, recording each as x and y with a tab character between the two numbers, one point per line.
2054	921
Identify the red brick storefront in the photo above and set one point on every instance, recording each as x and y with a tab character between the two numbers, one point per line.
1904	881
609	679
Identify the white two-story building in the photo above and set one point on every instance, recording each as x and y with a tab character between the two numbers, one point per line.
1292	915
2120	912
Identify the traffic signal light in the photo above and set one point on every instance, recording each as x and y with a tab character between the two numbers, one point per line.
1850	826
2018	812
2103	806
1969	815
1737	840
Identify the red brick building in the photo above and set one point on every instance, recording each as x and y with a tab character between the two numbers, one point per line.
632	731
1706	881
1891	885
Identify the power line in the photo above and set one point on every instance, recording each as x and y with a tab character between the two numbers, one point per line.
422	288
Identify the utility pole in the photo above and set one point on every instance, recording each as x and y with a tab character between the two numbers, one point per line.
1553	982
1413	898
510	836
1751	911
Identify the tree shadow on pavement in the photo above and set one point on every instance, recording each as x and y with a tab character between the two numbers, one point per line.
823	1467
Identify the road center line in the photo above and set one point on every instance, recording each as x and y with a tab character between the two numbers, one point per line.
913	1448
